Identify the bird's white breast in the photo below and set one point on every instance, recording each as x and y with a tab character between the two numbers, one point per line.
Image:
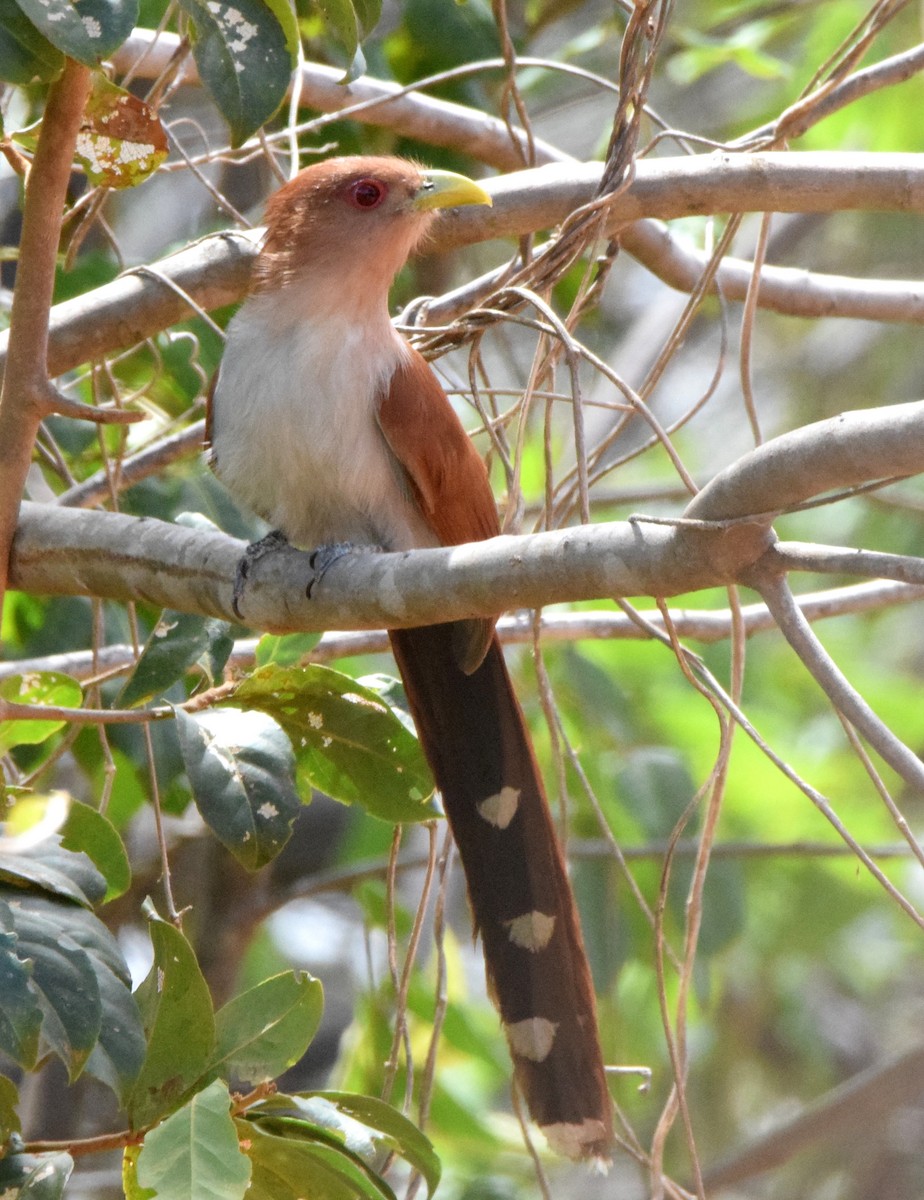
294	429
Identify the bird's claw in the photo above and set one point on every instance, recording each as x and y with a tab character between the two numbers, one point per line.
324	557
275	540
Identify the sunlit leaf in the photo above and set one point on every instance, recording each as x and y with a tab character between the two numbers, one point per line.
195	1152
362	1125
85	829
347	741
286	650
292	1168
38	687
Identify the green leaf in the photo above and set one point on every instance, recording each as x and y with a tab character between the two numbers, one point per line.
121	140
340	17
178	642
394	1129
87	30
242	774
348	742
368	13
266	1030
363	1126
87	830
176	1011
195	1153
35	1176
24	54
244	59
291	1168
38	687
79	982
63	978
9	1098
20	1012
53	869
130	1185
286	650
284	12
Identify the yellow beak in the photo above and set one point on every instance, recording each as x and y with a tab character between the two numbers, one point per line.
446	189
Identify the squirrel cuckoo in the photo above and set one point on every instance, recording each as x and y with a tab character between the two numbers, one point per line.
329	425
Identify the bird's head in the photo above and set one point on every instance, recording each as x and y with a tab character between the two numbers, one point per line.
349	221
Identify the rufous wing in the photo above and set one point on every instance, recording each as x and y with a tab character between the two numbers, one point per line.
445	473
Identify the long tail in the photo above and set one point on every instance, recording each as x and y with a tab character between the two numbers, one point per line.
475	739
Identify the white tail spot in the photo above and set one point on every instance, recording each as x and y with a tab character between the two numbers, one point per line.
500	809
575	1140
532	1038
532	931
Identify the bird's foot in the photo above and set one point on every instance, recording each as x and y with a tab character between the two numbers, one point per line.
275	540
324	557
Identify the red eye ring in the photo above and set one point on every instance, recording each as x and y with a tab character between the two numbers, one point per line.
367	193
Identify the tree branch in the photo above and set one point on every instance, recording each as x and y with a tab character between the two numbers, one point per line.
866	1099
215	270
27	395
73	552
148	53
708	626
853	448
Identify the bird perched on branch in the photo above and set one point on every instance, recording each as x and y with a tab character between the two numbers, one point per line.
329	425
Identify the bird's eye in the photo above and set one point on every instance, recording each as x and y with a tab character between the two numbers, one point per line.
368	193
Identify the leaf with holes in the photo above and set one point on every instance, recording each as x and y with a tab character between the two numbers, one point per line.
87	30
241	771
243	56
348	743
121	140
195	1152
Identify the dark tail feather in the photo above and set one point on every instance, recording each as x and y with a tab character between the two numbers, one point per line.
475	738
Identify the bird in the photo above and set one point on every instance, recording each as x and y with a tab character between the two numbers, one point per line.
326	422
